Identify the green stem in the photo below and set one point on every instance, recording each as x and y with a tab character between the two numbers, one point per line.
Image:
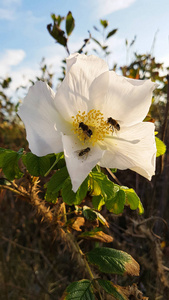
75	244
55	162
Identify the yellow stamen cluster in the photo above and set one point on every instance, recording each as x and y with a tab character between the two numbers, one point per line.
96	124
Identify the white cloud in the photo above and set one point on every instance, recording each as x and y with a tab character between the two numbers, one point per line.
11	57
106	7
6	14
8	9
11	2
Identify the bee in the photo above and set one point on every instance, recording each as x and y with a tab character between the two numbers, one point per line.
85	129
113	123
84	151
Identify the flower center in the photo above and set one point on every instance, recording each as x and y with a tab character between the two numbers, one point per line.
90	127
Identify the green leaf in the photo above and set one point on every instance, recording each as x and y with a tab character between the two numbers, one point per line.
58	19
116	203
69	197
140	208
37	166
9	163
104	23
82	191
79	290
55	184
132	199
2	154
113	261
89	214
111	33
58	34
105	185
98	202
70	23
97	42
161	147
112	289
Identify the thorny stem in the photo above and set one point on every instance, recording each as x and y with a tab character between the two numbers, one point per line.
70	238
75	244
13	190
64	213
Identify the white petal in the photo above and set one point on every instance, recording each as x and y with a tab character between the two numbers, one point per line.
79	166
40	117
73	93
134	149
127	100
98	90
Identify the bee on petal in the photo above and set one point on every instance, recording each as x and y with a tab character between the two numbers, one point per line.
114	124
84	151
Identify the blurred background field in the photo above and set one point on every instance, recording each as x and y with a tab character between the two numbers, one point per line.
35	262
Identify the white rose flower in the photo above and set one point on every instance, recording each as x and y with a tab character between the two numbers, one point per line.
95	117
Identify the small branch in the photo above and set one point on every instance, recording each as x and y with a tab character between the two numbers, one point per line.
113	176
14	190
27	249
164	127
152	219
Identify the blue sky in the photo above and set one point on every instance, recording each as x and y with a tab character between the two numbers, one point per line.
24	39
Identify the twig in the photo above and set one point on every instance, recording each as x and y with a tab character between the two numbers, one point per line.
14	190
164	127
40	283
113	176
27	249
152	219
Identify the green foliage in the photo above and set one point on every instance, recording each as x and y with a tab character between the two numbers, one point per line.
57	33
101	191
161	147
98	202
9	163
116	203
70	23
115	197
104	23
101	185
37	166
132	199
89	214
113	261
112	289
112	32
80	290
55	185
105	36
69	197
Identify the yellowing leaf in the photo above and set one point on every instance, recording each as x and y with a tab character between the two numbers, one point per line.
109	260
161	147
79	221
99	236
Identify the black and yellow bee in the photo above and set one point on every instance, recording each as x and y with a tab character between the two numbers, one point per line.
85	129
84	151
113	123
